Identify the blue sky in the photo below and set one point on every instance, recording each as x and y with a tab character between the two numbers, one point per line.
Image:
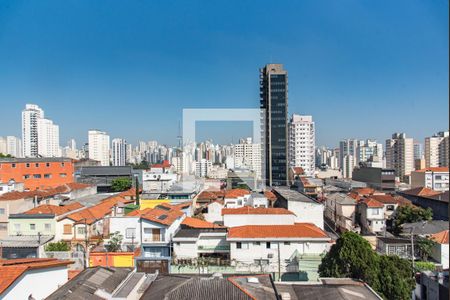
362	68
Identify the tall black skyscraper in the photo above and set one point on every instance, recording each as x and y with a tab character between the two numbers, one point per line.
274	103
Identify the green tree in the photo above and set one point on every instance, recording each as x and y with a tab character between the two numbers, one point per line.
243	186
395	277
57	246
425	248
410	214
351	256
5	155
115	242
120	184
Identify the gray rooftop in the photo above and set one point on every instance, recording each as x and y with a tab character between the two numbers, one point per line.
293	195
194	233
85	284
342	199
106	171
25	241
430	227
34	159
327	289
90	200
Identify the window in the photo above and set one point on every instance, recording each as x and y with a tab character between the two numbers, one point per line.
26	176
47	175
261	262
37	176
32	226
47	164
27	165
36	165
13	165
256	243
130	233
2	211
67	229
62	164
81	230
47	227
268	245
62	175
287	243
238	245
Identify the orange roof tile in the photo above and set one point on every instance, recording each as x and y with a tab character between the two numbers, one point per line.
297	230
440	237
61	189
391	199
210	195
420	191
270	195
235	193
12	269
372	203
364	191
54	209
433	169
248	210
197	223
161	216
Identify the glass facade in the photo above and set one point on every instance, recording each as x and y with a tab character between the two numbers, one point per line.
274	103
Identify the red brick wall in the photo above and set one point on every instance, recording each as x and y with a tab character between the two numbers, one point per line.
51	173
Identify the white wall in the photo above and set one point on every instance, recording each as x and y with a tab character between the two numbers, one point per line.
251	250
307	212
440	254
233	220
166	231
121	224
39	283
214	212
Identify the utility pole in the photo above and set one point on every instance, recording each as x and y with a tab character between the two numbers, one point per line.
279	263
137	191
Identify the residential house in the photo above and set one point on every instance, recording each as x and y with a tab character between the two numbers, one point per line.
372	215
213	212
310	186
31	278
305	208
275	248
208	196
236	198
396	246
440	248
24	246
341	210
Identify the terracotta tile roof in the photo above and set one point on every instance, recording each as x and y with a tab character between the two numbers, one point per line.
54	209
420	191
97	212
197	223
161	216
364	191
72	273
248	210
236	193
61	189
433	169
183	205
298	171
12	269
440	237
210	195
128	193
298	230
164	164
372	203
270	195
391	199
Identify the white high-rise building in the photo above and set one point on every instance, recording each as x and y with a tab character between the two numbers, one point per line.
369	150
400	155
99	146
48	138
202	167
436	150
119	152
302	143
348	147
248	155
3	145
13	146
348	164
30	116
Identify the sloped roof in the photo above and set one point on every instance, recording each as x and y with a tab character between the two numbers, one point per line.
210	195
248	210
298	230
372	203
420	191
236	193
12	269
391	199
53	209
161	216
440	237
61	189
197	223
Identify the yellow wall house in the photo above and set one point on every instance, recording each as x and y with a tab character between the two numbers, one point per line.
111	259
152	203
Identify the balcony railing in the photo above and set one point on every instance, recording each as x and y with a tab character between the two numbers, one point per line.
214	248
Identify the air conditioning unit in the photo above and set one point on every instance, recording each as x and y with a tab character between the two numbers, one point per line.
270	255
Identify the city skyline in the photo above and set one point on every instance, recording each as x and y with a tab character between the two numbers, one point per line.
134	75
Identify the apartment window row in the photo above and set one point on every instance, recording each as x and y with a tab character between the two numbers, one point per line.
48	175
37	165
268	245
32	226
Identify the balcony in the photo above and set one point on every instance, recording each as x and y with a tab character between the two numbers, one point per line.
217	248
